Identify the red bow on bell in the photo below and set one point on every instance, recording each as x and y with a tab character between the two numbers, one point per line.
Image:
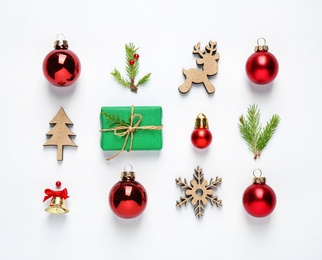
52	193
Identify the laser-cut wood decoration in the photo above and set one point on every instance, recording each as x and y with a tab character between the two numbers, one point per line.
208	58
60	133
199	192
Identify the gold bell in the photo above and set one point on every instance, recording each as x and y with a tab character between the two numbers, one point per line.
57	206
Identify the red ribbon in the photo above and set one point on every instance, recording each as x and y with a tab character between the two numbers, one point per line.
52	193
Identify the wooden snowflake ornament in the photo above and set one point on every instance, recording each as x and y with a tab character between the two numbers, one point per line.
208	59
199	192
60	133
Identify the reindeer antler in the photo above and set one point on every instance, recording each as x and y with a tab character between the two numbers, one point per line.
196	50
211	47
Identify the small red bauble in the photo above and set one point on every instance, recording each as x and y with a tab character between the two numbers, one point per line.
61	66
128	198
136	56
262	66
259	199
58	184
201	136
131	62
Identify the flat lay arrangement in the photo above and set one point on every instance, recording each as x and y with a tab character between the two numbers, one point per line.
161	130
130	128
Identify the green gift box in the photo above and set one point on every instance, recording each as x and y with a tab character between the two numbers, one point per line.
143	133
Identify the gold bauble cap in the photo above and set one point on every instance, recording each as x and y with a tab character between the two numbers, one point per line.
258	179
61	45
261	47
201	121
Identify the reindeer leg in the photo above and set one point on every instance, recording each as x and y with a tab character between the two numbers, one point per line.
185	87
209	87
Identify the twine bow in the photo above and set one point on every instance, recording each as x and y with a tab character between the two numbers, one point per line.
52	193
128	131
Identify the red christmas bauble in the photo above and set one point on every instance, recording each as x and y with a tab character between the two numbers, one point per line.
259	200
201	137
261	66
61	66
128	198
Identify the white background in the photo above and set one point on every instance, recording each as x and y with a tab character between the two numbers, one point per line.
166	32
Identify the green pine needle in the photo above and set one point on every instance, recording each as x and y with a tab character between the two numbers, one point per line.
115	120
253	133
144	79
132	71
120	79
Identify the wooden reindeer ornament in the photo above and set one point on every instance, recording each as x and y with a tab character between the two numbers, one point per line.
60	133
208	58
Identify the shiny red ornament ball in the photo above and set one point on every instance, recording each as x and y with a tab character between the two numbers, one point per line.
58	184
61	66
259	200
201	137
128	198
262	67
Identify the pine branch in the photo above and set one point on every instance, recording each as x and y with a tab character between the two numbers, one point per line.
144	79
268	132
120	79
252	132
116	120
131	68
246	133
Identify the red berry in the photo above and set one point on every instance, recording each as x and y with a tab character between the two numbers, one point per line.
136	56
131	62
58	184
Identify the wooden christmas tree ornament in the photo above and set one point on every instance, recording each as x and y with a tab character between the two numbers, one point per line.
208	59
60	133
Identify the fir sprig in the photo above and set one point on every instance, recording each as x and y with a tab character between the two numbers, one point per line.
116	120
131	68
252	131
